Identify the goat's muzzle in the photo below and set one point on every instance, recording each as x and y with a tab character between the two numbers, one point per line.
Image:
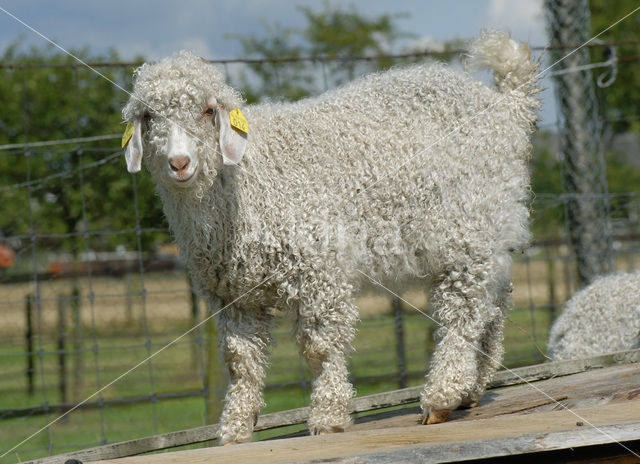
180	166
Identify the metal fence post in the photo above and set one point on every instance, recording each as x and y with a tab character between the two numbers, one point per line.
551	283
215	377
196	338
76	316
62	354
400	348
29	343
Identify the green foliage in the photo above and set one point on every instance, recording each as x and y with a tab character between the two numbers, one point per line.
619	106
621	100
290	81
622	178
546	182
65	189
330	32
336	32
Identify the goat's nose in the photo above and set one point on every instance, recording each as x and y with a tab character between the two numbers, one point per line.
178	163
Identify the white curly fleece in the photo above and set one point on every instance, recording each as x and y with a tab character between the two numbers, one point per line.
417	171
601	318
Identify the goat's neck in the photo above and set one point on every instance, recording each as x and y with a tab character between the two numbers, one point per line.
201	224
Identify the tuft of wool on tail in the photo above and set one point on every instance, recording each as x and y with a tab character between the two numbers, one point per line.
515	74
510	61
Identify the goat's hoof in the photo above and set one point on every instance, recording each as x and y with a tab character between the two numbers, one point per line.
436	416
330	430
469	403
236	441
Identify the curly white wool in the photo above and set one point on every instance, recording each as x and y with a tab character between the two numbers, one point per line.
601	318
417	171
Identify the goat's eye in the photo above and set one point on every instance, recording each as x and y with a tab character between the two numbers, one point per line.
209	111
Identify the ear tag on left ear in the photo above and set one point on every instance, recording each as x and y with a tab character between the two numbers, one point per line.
128	132
238	121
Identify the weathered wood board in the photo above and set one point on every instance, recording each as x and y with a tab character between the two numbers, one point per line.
451	441
577	403
584	390
595	407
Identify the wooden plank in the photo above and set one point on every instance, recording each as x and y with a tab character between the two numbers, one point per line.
357	405
210	432
561	368
586	389
509	446
482	438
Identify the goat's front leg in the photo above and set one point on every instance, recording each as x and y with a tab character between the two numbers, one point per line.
244	338
325	335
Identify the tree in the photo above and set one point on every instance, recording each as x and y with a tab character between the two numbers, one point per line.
57	191
546	183
332	32
621	100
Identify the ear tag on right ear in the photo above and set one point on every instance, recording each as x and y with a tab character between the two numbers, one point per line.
128	132
238	121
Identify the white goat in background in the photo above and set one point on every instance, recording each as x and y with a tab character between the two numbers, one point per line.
601	318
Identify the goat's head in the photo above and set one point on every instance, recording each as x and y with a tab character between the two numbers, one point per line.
180	111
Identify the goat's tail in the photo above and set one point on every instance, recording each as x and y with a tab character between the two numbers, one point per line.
509	60
514	72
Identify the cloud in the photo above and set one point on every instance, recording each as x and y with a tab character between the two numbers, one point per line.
199	46
523	18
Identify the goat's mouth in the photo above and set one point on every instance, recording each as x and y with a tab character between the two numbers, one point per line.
183	177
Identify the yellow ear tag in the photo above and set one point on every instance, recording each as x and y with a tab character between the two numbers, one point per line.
128	132
238	121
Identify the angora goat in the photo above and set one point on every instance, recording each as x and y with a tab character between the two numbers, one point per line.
417	171
601	318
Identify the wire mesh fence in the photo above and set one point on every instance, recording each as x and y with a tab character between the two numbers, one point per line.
581	138
92	286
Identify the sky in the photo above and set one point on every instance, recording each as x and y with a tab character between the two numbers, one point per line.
158	28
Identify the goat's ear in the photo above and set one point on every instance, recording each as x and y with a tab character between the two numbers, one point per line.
232	142
133	154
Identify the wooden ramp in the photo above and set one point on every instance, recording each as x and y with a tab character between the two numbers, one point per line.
573	411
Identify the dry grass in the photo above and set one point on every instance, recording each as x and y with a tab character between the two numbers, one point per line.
166	300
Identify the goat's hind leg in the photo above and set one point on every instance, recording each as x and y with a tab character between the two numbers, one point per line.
325	337
489	358
244	338
464	305
491	343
